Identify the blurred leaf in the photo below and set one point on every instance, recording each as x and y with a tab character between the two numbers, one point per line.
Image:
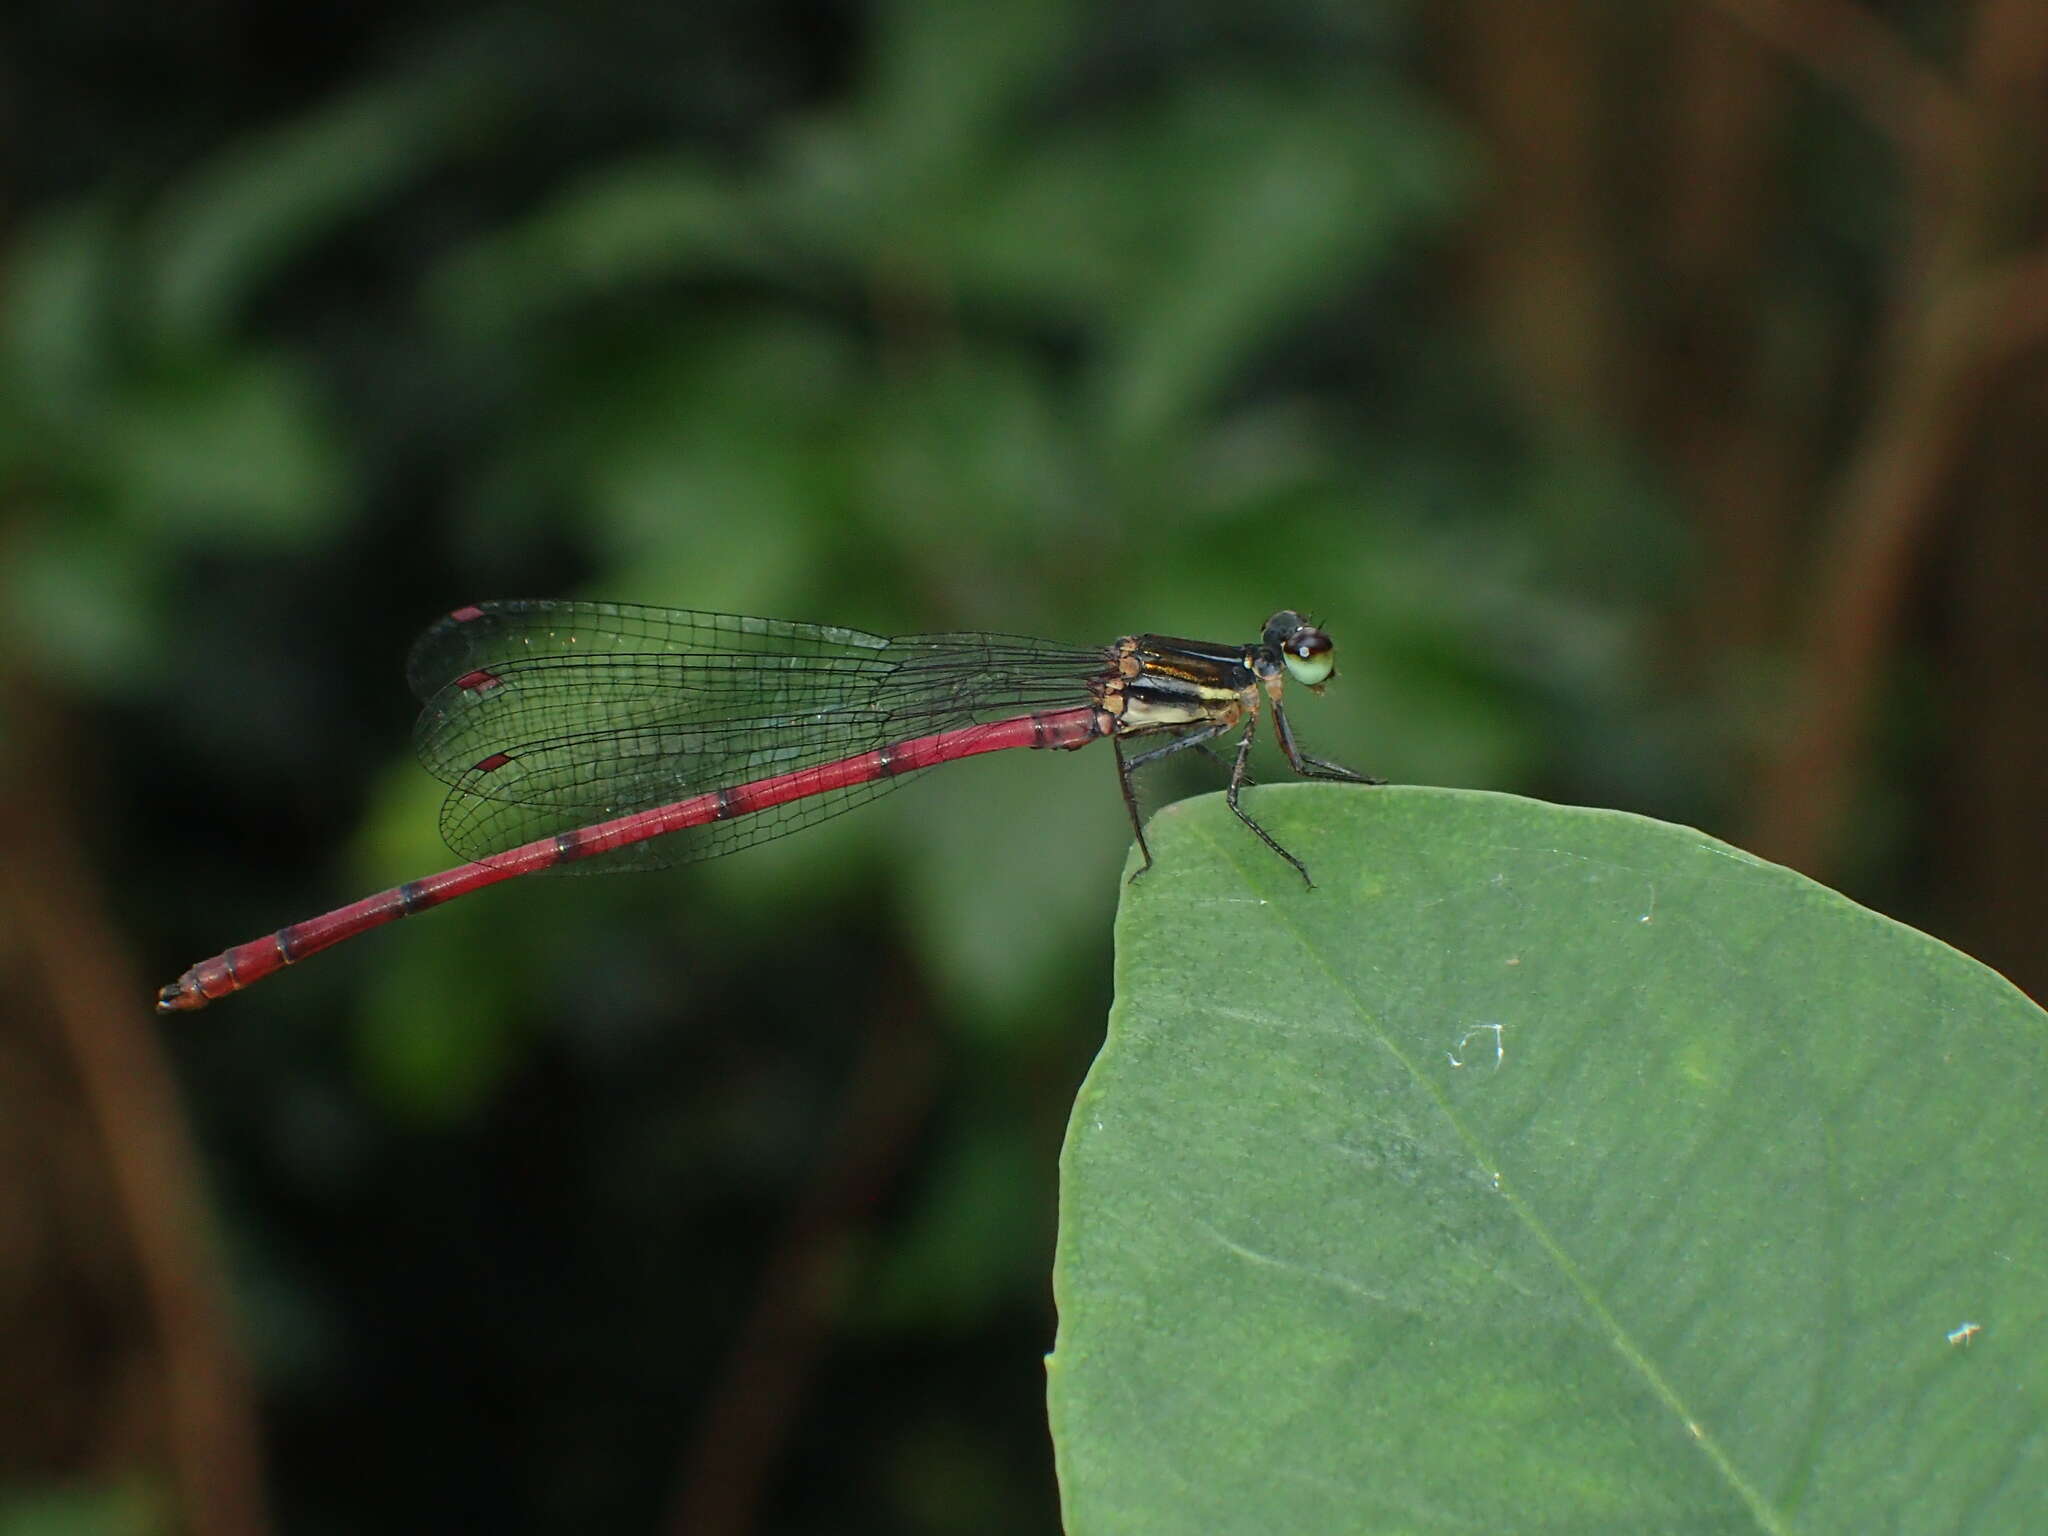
1543	1168
1195	225
946	83
967	1250
979	433
439	1027
56	321
710	458
231	225
83	1509
81	595
434	1040
704	519
1010	864
1299	200
667	216
1271	460
234	447
885	189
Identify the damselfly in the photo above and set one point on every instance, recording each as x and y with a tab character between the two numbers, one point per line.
605	736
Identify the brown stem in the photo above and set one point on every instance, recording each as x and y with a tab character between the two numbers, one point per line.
102	1015
1712	384
1953	327
1859	55
1539	262
759	1391
1993	654
1908	450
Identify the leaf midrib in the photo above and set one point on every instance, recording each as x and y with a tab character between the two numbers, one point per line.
1768	1518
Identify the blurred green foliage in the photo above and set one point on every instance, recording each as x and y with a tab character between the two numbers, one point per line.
111	1509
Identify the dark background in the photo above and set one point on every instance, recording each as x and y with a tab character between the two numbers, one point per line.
1649	398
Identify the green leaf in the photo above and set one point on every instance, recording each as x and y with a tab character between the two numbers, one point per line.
1543	1169
85	608
55	342
1198	231
946	80
662	217
136	1507
235	222
235	447
1298	201
966	1247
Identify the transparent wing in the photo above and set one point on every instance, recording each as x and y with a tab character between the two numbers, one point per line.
474	637
544	717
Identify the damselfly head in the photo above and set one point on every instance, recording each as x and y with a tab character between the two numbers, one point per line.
1310	655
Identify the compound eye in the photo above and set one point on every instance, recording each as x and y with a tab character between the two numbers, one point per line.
1310	656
